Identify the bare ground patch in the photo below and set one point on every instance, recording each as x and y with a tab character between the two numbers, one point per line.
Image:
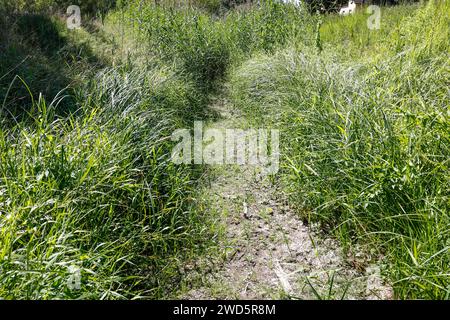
267	251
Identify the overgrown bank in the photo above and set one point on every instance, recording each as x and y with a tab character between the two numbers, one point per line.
366	140
363	116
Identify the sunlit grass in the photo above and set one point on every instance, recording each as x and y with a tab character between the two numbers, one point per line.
366	139
363	116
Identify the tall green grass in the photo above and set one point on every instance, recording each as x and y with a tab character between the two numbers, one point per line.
97	191
204	47
365	137
91	188
366	141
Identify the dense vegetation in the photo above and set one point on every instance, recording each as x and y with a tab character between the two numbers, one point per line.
367	139
86	179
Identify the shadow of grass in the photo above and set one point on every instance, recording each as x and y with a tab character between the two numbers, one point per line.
36	58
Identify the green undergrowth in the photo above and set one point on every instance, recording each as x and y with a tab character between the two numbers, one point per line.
87	188
91	207
366	141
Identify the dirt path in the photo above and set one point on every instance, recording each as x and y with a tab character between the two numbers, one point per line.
268	252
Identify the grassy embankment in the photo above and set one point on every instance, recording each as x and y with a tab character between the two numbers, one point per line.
366	136
88	182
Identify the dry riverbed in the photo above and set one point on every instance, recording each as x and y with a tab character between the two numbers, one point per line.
267	251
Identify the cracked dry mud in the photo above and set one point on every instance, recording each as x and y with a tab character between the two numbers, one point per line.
269	253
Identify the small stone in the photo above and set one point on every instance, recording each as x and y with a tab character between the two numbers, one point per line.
246	215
